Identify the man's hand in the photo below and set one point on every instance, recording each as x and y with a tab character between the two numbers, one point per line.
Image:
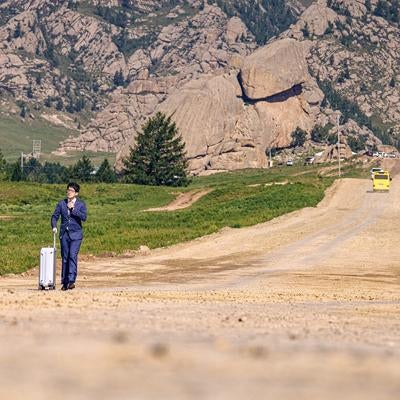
54	230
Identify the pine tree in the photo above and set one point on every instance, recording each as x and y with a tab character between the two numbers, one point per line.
72	5
16	173
29	92
3	166
298	137
329	28
18	31
32	170
382	9
82	170
119	78
2	161
60	104
306	31
54	172
70	107
158	157
79	104
395	11
23	112
105	173
126	4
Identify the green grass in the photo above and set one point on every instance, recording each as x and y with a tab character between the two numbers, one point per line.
161	20
16	136
377	122
116	221
88	9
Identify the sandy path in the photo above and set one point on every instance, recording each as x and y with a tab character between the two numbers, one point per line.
306	306
183	200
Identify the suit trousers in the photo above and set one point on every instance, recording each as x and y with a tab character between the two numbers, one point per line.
69	254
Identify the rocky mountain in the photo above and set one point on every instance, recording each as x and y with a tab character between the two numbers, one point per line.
354	56
239	77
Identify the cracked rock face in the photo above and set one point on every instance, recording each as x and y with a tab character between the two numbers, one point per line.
224	130
210	98
89	39
316	18
231	101
356	52
206	44
228	120
274	68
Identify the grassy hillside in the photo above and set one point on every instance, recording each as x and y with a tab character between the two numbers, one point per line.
16	136
116	220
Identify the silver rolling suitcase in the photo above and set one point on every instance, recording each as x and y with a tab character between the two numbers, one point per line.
47	269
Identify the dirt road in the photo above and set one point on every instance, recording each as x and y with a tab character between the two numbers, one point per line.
306	306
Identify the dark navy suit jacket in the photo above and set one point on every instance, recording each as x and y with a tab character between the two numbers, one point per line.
70	222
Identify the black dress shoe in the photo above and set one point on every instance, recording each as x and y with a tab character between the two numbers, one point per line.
64	287
71	286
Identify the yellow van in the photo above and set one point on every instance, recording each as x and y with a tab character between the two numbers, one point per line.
381	181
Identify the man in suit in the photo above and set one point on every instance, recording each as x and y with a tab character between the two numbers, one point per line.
72	212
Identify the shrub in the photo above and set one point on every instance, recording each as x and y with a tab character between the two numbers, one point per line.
320	134
356	143
82	170
105	173
298	137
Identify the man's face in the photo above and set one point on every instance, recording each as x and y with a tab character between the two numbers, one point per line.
71	194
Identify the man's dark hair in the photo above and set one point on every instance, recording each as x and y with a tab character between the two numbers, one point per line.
74	186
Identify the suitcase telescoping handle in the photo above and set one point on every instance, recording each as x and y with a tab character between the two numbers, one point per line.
54	239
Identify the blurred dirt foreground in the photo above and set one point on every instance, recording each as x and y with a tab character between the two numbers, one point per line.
306	306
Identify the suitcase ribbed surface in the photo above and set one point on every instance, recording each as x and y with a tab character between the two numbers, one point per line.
47	268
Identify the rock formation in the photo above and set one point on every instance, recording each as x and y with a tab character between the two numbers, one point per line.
232	99
208	42
229	121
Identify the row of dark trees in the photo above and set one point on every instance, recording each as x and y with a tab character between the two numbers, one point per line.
158	158
53	172
116	17
389	10
276	16
350	109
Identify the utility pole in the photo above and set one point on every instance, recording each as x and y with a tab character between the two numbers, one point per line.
22	161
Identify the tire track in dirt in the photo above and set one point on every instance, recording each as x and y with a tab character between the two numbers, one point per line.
183	200
316	314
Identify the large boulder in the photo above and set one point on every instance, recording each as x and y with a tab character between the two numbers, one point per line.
206	111
271	124
204	44
355	8
223	129
316	19
30	38
273	69
12	71
222	132
235	28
